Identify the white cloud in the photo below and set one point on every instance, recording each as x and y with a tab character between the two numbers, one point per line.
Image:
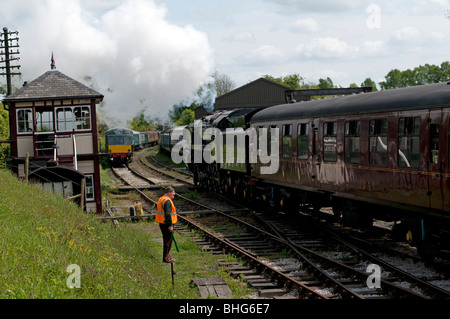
406	34
326	47
241	36
265	53
308	25
295	6
373	48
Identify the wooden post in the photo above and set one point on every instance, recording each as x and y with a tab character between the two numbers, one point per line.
82	194
27	161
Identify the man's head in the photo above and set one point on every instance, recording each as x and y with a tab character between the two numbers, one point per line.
170	192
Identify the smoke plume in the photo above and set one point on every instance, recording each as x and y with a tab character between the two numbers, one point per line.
130	53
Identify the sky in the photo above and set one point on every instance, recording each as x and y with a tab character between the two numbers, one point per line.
152	54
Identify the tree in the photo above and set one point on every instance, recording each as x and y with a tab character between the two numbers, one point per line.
294	81
326	83
4	135
145	123
393	80
187	117
368	82
423	74
183	112
223	83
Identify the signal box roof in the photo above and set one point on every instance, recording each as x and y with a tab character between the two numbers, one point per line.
52	85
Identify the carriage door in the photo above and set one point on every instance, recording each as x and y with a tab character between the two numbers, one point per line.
437	150
316	151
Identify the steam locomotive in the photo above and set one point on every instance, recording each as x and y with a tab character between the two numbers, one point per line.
382	155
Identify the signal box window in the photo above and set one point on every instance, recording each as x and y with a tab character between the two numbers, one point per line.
25	121
378	142
44	121
352	148
408	142
329	141
287	141
302	141
82	118
73	118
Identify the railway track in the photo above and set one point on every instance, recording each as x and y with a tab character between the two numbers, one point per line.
349	264
280	264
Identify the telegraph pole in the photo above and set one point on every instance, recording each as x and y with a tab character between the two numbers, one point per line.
8	42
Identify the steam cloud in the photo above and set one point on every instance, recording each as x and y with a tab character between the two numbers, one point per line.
132	54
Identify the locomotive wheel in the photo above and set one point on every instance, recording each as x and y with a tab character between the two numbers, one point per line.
337	209
428	250
399	232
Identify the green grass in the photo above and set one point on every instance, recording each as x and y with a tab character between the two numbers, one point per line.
41	234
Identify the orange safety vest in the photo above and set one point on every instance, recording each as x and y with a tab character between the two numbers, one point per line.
160	218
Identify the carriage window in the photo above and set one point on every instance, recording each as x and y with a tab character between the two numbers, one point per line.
408	142
287	141
70	118
302	141
25	121
44	121
434	143
329	141
272	139
378	142
352	150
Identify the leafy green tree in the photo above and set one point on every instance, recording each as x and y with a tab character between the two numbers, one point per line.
423	74
187	117
183	112
294	81
141	122
223	83
368	82
326	83
4	135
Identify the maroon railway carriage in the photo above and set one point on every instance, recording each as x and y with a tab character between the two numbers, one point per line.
374	155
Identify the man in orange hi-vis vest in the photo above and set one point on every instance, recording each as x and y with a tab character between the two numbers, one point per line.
166	216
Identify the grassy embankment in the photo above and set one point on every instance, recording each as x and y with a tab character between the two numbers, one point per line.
41	234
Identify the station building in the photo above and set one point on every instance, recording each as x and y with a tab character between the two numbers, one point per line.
263	93
53	129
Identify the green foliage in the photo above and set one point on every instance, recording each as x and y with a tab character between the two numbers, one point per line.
187	116
4	135
141	122
368	82
423	74
326	83
183	113
294	81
